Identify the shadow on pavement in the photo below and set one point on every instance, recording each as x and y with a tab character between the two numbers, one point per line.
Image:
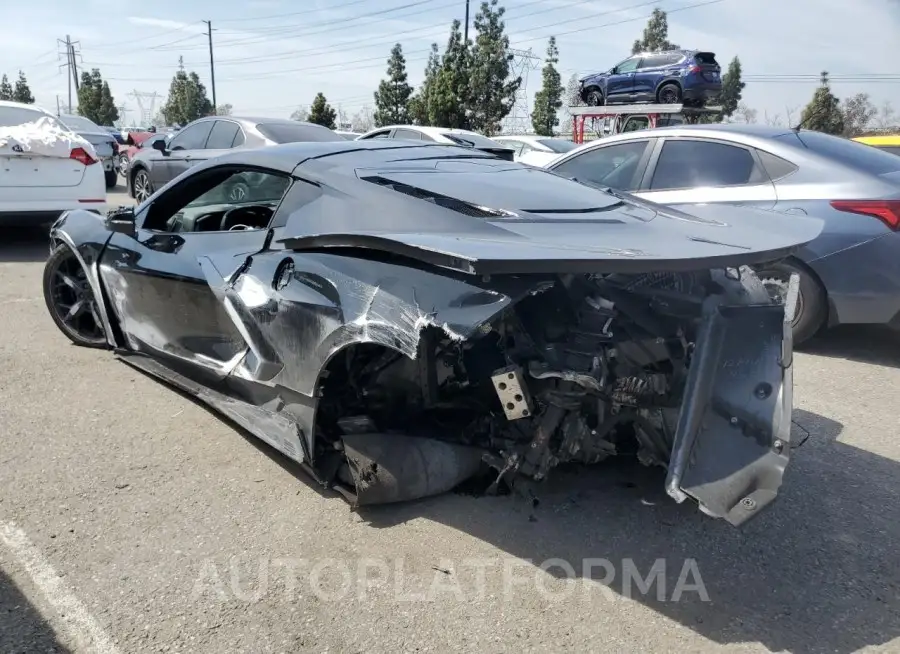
22	629
818	571
24	244
867	344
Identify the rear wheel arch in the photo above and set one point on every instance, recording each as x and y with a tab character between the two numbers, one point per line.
816	299
669	82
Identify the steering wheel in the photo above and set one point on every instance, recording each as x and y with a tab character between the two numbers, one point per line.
239	216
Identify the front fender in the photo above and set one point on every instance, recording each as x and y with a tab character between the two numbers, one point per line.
85	233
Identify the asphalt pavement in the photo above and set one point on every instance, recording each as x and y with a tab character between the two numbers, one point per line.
134	520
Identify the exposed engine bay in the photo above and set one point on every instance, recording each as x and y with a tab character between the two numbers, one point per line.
585	368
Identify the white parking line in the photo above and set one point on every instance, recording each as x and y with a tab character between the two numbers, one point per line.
80	624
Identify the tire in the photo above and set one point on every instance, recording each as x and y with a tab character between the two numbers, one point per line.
668	93
112	178
594	97
812	301
65	286
141	186
123	166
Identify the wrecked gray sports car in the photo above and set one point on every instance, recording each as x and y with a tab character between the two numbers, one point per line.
401	318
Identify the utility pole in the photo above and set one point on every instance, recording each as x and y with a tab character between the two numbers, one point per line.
71	65
466	37
212	65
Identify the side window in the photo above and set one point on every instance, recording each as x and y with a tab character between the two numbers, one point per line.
654	61
691	163
515	146
635	123
627	66
192	137
776	167
238	138
227	198
425	137
380	135
407	134
674	58
613	165
222	135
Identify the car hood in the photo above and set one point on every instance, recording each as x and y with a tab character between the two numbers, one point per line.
484	223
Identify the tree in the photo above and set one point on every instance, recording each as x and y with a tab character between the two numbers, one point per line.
732	88
419	102
449	97
549	100
363	120
187	99
301	113
321	113
656	35
21	92
745	114
887	117
392	96
491	93
6	89
95	100
858	113
224	110
823	113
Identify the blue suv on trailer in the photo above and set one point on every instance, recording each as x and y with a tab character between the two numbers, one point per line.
689	77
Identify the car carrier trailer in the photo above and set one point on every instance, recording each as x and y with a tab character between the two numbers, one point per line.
631	117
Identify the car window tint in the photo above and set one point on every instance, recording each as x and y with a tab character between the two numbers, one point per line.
849	153
674	58
222	135
296	132
635	123
627	66
407	134
239	138
425	137
558	145
515	146
653	61
613	165
192	137
380	135
776	167
689	164
12	116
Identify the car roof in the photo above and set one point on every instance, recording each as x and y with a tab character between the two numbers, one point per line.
22	105
425	129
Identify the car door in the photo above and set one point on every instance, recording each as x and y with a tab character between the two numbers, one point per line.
647	76
187	148
620	85
697	170
617	165
159	289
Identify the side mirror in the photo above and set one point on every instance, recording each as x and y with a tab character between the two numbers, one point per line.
121	221
614	70
159	144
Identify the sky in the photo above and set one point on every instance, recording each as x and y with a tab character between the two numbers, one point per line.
275	55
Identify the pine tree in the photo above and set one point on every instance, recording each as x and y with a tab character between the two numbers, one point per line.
187	99
21	92
656	35
321	113
732	88
491	93
419	102
448	98
549	100
823	113
392	96
6	89
95	100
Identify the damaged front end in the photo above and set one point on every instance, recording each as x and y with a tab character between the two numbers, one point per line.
687	371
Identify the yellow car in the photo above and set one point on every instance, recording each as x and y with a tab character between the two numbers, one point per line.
887	143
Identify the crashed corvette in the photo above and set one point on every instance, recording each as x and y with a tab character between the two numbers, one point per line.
401	318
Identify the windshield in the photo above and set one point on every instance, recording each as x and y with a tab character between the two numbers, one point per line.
558	145
850	153
12	116
296	132
473	140
80	124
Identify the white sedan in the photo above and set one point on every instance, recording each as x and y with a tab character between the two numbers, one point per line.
536	150
45	168
446	135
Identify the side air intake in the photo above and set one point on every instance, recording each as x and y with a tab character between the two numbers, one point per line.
445	201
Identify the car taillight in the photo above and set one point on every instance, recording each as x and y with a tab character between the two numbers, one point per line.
81	155
694	69
887	211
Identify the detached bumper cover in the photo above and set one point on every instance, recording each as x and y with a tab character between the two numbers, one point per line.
732	442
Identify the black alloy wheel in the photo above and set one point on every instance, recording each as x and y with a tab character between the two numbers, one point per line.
70	299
